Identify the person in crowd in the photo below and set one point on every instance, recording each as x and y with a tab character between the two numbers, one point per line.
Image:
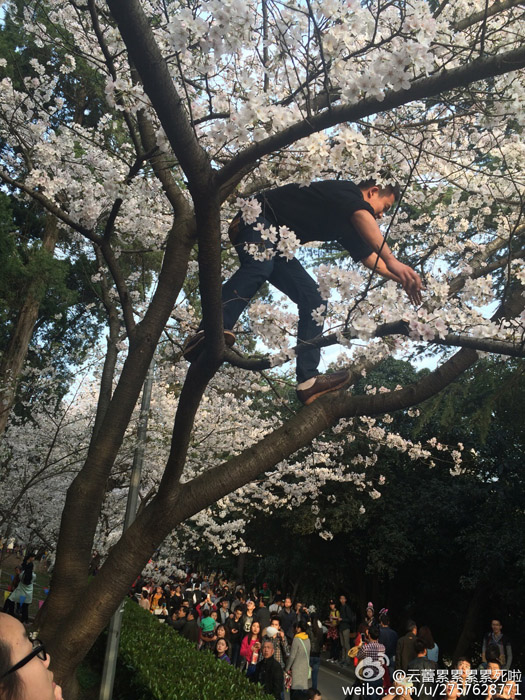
269	673
298	663
496	638
206	605
221	633
162	611
207	625
23	593
175	599
277	604
288	619
262	614
499	686
347	627
279	640
191	630
313	694
332	635
144	601
406	650
402	689
432	648
250	648
462	683
156	598
266	594
249	616
221	650
316	636
370	615
178	619
388	637
236	635
374	650
224	611
24	665
424	686
240	601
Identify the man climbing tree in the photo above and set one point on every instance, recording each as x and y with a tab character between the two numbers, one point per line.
265	233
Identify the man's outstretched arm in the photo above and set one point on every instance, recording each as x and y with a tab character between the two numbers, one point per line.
374	262
367	227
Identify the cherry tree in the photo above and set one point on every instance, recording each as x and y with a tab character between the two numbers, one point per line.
209	101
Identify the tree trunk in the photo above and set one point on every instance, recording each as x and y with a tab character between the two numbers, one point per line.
468	633
16	352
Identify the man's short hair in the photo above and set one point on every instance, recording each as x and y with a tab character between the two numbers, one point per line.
384	619
312	694
373	632
391	188
419	645
410	625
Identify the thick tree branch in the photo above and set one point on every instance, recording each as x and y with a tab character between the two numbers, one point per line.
420	89
158	85
494	9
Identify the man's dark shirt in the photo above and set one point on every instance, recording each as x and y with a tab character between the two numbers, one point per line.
288	618
191	631
319	212
405	650
347	618
262	615
177	625
388	637
424	688
270	675
235	631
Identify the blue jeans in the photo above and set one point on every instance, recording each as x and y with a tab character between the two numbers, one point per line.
315	663
289	277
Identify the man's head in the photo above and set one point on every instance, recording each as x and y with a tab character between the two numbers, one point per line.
250	606
411	627
373	633
342	599
380	198
275	622
313	694
420	647
496	626
287	602
494	669
267	650
224	603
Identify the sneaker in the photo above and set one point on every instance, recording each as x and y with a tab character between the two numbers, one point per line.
322	385
194	345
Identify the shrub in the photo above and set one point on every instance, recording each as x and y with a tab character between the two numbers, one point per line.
155	663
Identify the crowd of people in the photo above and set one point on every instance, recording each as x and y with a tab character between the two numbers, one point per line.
277	642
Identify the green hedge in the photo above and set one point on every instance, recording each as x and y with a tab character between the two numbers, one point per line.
156	663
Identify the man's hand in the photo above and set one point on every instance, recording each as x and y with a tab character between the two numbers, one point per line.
408	278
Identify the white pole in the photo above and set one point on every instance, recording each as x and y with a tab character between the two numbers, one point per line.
110	660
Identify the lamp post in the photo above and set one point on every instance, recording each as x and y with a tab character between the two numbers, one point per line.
110	660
